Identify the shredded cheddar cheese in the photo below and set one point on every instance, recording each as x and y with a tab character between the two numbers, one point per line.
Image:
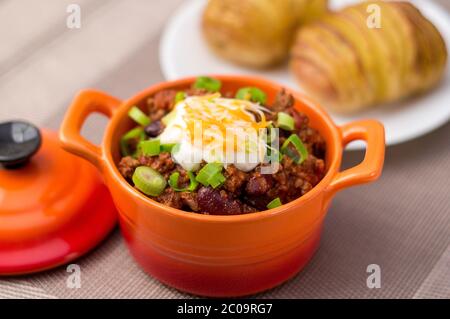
215	117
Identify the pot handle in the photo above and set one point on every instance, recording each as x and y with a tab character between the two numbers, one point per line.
84	104
372	132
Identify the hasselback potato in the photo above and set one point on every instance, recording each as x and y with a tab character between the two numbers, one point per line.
349	66
256	33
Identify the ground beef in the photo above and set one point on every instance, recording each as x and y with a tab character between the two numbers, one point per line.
283	101
246	209
235	179
259	184
301	121
157	114
201	92
190	200
293	180
314	142
179	200
164	100
162	163
127	165
259	203
183	179
161	104
197	92
242	192
170	198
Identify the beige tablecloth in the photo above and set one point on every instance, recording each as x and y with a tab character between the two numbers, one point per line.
401	223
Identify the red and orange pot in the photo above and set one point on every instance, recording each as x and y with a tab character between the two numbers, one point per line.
221	255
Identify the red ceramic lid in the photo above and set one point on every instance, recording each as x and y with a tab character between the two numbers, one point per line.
53	208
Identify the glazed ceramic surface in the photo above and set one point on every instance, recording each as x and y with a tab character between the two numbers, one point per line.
221	255
53	210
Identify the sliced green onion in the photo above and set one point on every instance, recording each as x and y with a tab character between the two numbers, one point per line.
167	147
149	147
302	152
136	133
271	134
173	182
138	116
216	180
273	155
149	181
208	174
275	203
207	83
285	121
180	97
169	118
193	182
252	94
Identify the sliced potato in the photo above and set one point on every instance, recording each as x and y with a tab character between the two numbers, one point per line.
309	49
389	34
341	59
438	51
381	50
421	75
345	58
255	33
319	81
357	66
312	10
406	33
359	43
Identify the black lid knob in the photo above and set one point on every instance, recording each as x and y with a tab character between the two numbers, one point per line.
19	141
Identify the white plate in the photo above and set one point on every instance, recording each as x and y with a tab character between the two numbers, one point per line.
183	52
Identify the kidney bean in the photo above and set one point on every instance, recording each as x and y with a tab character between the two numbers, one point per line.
217	202
259	184
154	129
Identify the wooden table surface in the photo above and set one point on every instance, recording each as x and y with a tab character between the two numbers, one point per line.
402	222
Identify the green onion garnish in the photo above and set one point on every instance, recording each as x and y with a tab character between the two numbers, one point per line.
285	121
275	203
149	147
137	133
173	182
211	174
207	83
138	116
273	155
167	147
216	180
252	94
149	181
271	134
301	153
193	182
180	96
169	118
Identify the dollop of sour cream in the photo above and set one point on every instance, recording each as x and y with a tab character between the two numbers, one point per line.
216	129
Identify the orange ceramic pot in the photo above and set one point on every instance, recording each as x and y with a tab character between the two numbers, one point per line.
221	256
